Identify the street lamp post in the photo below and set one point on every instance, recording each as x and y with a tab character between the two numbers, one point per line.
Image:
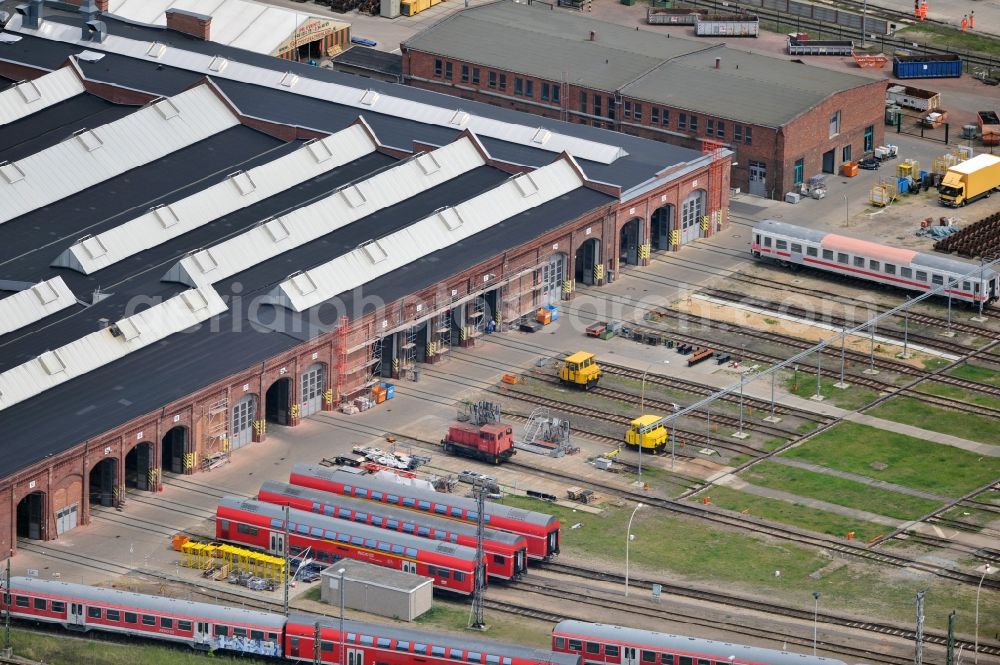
816	595
847	211
341	574
628	538
642	412
987	570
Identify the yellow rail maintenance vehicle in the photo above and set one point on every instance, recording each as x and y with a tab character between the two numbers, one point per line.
581	370
655	439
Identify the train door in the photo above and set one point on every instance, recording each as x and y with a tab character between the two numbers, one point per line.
76	616
630	656
409	567
202	636
355	657
277	543
293	647
553	543
519	562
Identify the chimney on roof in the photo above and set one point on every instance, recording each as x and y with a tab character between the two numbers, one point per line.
593	35
190	23
718	63
33	13
93	29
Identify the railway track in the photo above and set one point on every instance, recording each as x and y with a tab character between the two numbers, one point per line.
841	322
752	604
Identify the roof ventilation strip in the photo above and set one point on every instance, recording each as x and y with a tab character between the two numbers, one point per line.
29	91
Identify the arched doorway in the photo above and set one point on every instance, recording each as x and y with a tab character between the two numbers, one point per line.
661	224
103	479
172	449
587	257
692	210
312	385
278	402
241	425
31	516
138	464
629	240
553	274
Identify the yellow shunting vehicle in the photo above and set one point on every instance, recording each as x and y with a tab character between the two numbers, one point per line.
581	370
655	439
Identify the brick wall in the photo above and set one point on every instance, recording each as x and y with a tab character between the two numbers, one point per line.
196	25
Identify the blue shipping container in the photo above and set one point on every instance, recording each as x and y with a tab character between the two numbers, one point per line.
926	66
390	390
554	310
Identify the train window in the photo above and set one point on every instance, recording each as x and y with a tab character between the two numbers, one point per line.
797	248
859	262
575	645
316	532
459	577
409	528
21	601
474	657
781	244
402	645
841	257
344	537
474	516
593	647
360	517
507	660
937	279
131	617
383	642
890	269
685	660
757	236
94	612
114	615
408	502
40	604
377	521
370	543
444	574
453	538
246	529
649	656
239	632
966	286
223	631
376	496
811	251
411	552
166	623
921	276
276	524
360	491
326	646
906	272
498	558
456	512
392	524
383	547
419	648
392	498
58	606
303	529
767	241
351	637
348	489
423	532
183	625
560	642
437	651
397	549
611	650
667	659
424	505
828	254
492	660
455	654
703	661
257	635
148	620
874	265
357	540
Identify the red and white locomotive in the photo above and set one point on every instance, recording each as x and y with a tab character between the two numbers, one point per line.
540	530
506	553
262	525
903	268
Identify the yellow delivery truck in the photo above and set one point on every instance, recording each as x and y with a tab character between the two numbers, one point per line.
969	180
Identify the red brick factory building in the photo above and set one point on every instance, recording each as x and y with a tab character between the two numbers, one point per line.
785	121
203	243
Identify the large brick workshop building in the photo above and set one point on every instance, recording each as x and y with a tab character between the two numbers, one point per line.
785	121
202	243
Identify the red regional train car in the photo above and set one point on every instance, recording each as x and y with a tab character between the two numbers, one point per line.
505	552
262	525
540	530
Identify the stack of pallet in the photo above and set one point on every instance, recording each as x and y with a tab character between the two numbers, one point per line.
979	239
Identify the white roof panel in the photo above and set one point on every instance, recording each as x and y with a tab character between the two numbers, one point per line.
27	97
34	304
579	148
139	138
107	345
163	223
439	230
316	220
273	27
